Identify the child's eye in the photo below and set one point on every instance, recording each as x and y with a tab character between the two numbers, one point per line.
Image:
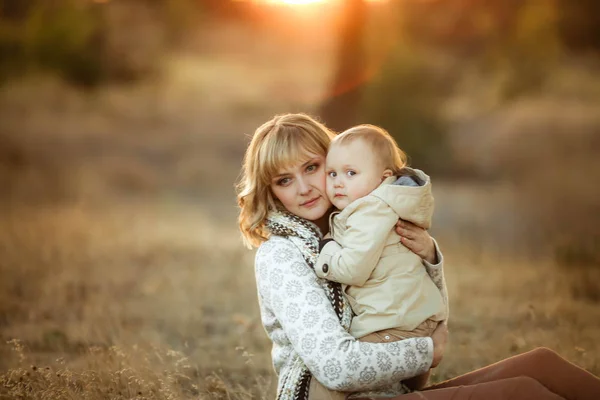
351	173
332	174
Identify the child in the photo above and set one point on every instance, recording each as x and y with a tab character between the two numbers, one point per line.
389	290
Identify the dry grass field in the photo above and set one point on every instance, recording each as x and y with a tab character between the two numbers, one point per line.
122	274
157	300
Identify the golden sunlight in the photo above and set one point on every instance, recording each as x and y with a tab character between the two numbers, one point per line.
302	2
296	1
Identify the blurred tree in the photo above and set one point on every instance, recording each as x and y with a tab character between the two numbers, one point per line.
89	42
580	24
340	109
14	9
404	99
466	27
533	48
59	36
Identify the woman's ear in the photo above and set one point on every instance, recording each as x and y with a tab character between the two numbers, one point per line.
387	173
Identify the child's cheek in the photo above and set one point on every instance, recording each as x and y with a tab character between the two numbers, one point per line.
330	190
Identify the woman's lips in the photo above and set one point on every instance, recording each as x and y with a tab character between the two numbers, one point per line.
311	203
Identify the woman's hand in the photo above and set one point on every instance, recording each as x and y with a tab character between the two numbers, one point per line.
417	240
440	338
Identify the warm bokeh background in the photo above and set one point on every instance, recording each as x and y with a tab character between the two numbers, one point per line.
122	128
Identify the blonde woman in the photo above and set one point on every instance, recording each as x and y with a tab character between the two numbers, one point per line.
284	211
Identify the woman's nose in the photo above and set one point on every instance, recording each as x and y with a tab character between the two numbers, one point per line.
303	187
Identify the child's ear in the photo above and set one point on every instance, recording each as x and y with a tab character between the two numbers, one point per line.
387	173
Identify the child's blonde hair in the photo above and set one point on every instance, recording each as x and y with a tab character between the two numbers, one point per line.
381	142
277	144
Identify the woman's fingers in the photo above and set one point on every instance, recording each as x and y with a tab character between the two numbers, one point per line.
407	233
406	224
417	240
406	229
411	244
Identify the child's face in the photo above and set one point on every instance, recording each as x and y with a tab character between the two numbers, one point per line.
353	171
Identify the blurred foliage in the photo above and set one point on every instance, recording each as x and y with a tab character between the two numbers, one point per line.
404	100
88	43
518	41
61	37
579	24
515	46
530	51
471	26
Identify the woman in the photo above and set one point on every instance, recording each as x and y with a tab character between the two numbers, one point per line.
284	209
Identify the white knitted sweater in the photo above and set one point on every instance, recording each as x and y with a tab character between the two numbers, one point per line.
301	323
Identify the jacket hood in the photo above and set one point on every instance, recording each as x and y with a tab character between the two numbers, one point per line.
411	203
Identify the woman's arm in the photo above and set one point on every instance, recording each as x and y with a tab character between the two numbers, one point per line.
291	290
418	382
440	338
436	272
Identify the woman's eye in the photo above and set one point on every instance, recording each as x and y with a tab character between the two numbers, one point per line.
311	168
283	181
351	173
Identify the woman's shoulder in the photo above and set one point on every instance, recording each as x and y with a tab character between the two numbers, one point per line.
278	250
272	244
276	259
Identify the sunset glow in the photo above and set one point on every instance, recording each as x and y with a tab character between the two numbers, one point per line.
302	2
296	1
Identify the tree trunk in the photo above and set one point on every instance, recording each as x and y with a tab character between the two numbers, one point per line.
341	107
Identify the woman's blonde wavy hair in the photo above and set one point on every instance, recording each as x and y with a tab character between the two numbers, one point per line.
277	144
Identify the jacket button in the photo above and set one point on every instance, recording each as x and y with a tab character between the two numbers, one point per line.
325	268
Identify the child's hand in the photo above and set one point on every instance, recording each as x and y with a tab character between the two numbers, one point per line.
417	240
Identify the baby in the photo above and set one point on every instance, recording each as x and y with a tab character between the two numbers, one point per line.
389	290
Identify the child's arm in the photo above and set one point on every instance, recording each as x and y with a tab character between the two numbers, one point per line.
364	239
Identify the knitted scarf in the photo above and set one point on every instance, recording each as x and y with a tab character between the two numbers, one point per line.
306	235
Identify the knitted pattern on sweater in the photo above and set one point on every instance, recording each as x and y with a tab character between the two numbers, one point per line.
282	223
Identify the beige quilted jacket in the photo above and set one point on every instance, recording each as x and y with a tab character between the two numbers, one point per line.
386	283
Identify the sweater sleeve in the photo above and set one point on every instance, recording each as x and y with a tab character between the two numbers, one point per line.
436	272
367	228
289	288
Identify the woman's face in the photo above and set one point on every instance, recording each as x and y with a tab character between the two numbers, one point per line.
302	188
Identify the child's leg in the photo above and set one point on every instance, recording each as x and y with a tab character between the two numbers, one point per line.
426	328
395	334
545	366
